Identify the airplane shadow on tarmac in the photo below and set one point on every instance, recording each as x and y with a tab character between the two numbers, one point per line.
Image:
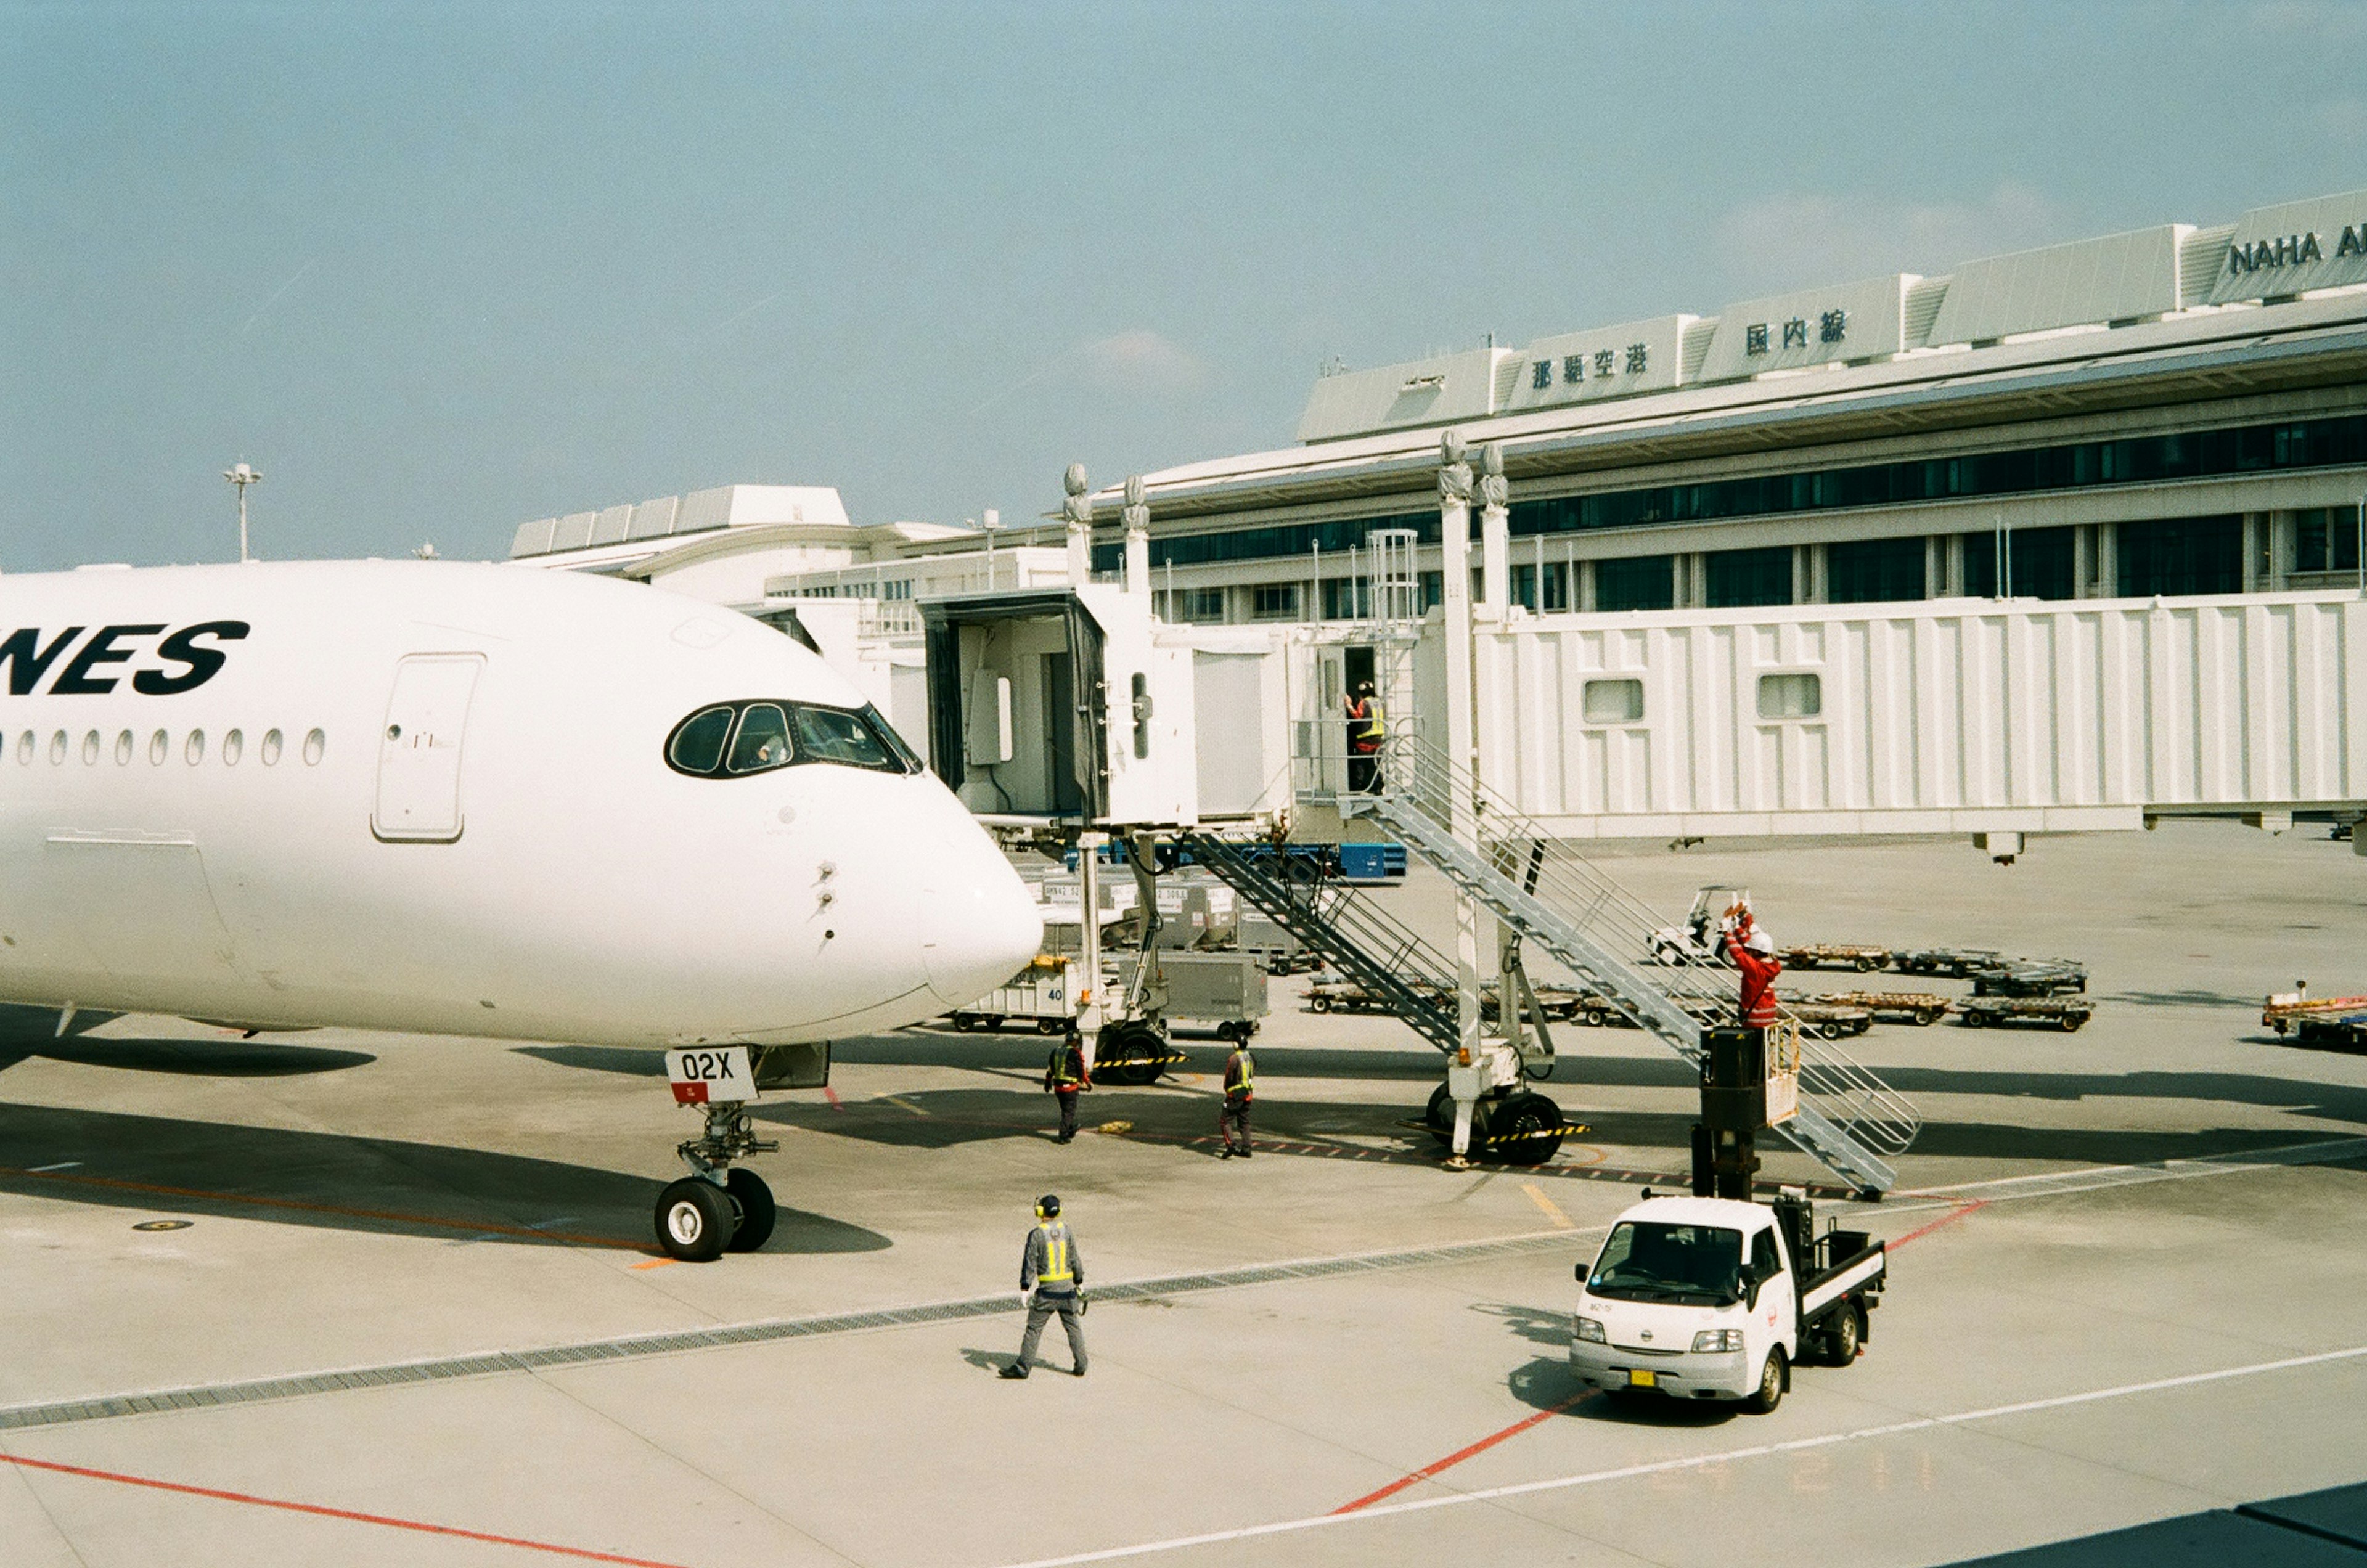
938	1119
157	1164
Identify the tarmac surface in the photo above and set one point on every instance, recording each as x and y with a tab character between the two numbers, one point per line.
411	1311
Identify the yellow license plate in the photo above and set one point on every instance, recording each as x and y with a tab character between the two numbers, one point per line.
1641	1378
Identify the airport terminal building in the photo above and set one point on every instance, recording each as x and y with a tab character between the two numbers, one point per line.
2179	410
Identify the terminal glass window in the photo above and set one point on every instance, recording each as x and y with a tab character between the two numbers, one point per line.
1613	702
1791	697
1203	605
1651	1261
1743	580
1274	600
2181	554
1865	572
2326	539
2042	563
1638	583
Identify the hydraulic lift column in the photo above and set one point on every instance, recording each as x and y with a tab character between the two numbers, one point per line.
1734	1108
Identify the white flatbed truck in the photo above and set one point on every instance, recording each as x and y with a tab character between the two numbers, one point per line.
1717	1298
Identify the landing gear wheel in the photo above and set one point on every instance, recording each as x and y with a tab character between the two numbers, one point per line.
694	1220
1528	1129
1771	1385
754	1200
1841	1339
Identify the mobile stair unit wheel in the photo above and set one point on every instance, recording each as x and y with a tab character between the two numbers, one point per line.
1129	1054
1527	1129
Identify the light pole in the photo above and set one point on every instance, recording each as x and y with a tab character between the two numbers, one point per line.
242	476
2362	542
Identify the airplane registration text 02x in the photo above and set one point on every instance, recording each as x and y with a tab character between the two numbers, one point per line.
474	799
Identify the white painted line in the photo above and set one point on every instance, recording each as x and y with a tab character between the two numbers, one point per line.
2096	1176
1760	1450
62	1165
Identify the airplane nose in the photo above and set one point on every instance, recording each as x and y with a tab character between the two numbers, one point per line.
982	929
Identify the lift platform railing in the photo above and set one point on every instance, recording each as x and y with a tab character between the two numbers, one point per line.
1547	893
1345	928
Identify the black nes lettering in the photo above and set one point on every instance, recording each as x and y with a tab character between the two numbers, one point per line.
27	661
77	680
183	647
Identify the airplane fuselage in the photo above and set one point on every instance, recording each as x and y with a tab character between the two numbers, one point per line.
448	797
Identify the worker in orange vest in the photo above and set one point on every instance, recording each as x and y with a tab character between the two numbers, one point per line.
1752	952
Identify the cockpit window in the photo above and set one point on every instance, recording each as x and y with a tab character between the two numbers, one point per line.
763	741
697	745
832	735
735	738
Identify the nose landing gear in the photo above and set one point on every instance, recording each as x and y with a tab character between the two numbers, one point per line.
717	1207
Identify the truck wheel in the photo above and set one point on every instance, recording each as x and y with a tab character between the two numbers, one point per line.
963	1023
1864	964
1593	1018
1841	1339
1318	1004
1975	1020
1771	1385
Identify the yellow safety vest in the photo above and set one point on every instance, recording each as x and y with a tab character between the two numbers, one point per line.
1056	1255
1249	1076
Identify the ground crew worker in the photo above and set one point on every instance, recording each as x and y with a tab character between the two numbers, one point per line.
1240	1081
1365	729
1050	1269
1753	951
1064	1077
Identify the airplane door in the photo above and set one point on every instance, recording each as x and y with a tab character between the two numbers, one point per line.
419	750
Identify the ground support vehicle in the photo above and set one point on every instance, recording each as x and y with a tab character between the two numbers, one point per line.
1918	1007
1331	994
2065	1013
1832	1020
1719	1298
2318	1021
1228	990
2029	977
1044	994
1955	962
1835	955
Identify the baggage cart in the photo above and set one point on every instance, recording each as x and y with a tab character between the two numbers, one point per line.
2063	1012
1827	1022
1835	955
2029	977
2318	1021
1954	962
1918	1007
1043	994
1228	990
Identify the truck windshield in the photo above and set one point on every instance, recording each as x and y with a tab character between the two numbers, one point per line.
1646	1260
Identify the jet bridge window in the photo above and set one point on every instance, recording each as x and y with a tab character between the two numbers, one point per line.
732	739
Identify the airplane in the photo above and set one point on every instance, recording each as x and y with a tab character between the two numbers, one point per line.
475	799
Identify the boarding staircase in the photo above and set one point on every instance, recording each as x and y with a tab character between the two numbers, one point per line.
1849	1119
1348	931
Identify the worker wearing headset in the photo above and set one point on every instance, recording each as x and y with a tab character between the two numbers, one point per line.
1052	1280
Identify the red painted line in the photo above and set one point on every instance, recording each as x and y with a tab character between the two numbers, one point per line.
419	1525
1517	1428
1950	1218
1451	1461
832	1095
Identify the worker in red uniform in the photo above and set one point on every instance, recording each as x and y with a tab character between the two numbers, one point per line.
1752	952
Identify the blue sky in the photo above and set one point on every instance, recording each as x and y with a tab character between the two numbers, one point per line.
440	269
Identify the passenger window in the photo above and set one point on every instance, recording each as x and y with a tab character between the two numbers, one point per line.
195	750
234	746
25	749
57	747
833	735
270	746
158	744
123	750
1791	697
1613	702
697	745
763	741
316	746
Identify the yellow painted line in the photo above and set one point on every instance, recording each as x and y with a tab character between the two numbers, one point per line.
1553	1211
900	1100
653	1263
